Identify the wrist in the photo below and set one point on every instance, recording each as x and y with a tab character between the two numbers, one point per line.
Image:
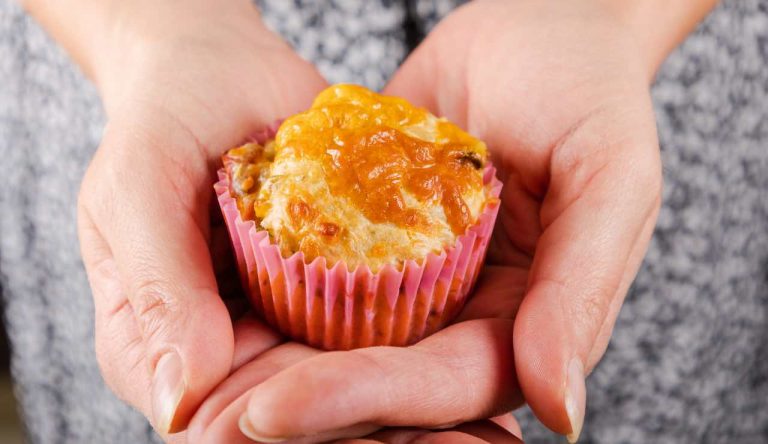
77	27
658	26
140	35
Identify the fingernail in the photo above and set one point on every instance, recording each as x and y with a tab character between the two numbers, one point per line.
575	399
247	429
168	387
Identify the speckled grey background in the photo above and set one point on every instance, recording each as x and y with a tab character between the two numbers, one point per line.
689	359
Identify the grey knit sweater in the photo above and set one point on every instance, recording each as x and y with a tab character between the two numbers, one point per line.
689	358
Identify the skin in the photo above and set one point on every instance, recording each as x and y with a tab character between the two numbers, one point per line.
559	91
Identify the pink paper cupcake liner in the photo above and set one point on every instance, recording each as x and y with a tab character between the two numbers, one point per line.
334	308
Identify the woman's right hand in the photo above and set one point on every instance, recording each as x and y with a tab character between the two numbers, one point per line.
181	83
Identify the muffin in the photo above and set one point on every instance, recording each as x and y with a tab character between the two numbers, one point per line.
361	221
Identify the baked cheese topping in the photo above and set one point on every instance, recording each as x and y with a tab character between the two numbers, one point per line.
362	178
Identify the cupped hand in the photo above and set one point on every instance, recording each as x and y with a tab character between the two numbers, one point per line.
180	86
292	391
560	94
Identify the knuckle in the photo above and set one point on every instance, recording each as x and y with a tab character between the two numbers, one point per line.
591	309
580	149
154	308
578	165
593	306
585	304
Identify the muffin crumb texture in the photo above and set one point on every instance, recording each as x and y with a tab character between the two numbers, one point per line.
361	178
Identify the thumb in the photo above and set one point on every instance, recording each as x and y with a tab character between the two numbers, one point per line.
597	218
424	81
151	215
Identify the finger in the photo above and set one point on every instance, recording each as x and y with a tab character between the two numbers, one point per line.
328	436
633	265
219	414
225	266
219	419
177	438
252	338
152	212
446	92
462	373
120	349
518	227
498	294
357	441
452	437
398	435
488	431
421	436
510	424
414	68
603	190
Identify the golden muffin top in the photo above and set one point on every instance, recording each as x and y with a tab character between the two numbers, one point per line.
361	177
